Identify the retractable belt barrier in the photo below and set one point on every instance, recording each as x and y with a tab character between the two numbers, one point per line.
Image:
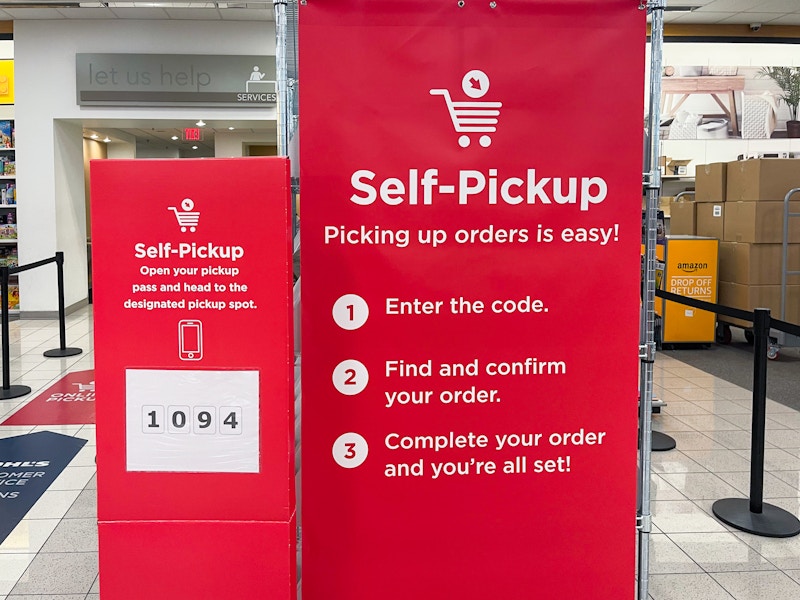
753	515
9	391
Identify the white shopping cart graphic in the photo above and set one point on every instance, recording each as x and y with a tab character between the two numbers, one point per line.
472	116
187	217
85	387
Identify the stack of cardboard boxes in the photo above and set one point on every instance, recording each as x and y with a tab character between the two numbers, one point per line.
741	203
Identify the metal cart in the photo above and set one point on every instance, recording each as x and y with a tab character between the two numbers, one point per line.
777	339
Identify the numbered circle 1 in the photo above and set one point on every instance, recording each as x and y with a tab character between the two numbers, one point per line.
350	311
350	377
350	450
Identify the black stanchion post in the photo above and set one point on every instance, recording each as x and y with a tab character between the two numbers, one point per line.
753	515
62	351
8	391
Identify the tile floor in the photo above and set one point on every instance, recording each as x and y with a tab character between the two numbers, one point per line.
52	554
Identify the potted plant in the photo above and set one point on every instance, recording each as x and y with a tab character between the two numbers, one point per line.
788	79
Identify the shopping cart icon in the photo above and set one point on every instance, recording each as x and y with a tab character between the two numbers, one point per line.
85	387
187	218
472	116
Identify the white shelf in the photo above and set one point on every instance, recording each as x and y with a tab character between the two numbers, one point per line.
8	242
4	149
8	176
8	205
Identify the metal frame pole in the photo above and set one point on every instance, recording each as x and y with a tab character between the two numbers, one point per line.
647	321
280	76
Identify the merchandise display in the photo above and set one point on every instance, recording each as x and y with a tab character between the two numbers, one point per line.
8	202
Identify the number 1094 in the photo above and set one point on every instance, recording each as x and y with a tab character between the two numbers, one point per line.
199	420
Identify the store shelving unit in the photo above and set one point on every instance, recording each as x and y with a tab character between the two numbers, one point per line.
8	209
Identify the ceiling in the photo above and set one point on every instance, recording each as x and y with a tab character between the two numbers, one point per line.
733	12
248	10
728	12
679	12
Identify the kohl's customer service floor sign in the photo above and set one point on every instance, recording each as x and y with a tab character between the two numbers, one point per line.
69	401
29	464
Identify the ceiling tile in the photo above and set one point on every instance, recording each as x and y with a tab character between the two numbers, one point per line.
140	13
787	20
86	13
698	17
773	6
33	13
730	6
196	14
745	18
247	14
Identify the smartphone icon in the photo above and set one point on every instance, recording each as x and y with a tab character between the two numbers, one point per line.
190	339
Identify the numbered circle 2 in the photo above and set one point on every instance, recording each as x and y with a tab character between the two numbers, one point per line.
350	450
350	311
350	377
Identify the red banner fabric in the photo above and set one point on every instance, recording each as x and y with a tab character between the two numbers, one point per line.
471	181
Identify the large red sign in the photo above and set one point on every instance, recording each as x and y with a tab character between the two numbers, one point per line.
194	361
471	180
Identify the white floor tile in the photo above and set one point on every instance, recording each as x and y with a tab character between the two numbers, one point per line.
667	557
720	552
12	566
683	516
53	504
768	585
699	586
73	478
29	536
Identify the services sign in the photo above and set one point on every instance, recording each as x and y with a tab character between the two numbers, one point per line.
470	298
175	80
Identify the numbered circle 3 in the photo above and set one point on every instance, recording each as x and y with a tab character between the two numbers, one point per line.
350	450
350	377
350	311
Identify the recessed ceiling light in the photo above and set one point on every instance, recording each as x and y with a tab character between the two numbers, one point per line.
231	128
107	139
174	137
200	123
194	147
94	136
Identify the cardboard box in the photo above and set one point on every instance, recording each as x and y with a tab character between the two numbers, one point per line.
750	297
665	204
762	179
757	264
678	167
683	218
711	182
710	220
759	222
662	164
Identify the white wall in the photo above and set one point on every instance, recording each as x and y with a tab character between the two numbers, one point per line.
748	56
231	144
45	92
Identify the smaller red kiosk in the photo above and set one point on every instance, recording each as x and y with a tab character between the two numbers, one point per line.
194	378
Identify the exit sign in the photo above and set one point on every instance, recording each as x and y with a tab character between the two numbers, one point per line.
192	134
